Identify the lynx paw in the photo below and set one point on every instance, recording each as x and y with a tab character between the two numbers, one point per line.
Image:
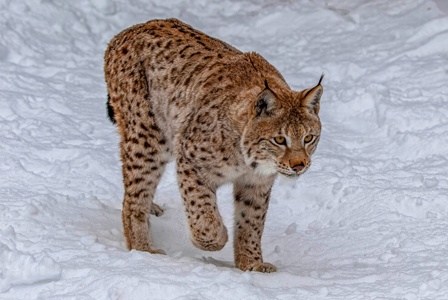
259	267
156	251
156	210
209	242
147	248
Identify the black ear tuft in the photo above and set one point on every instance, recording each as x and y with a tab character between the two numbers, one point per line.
321	77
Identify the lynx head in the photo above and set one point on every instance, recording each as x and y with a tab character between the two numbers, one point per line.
283	131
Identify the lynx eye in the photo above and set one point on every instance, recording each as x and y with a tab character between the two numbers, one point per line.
280	140
308	138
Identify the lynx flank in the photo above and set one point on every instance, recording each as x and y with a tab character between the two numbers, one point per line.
224	116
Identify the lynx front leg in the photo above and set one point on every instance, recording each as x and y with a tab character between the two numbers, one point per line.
207	230
251	204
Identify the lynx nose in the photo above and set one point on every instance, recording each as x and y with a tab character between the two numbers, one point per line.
298	167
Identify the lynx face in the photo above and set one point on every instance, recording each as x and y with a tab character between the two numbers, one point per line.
284	132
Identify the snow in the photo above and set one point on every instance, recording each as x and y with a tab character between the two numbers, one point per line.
369	220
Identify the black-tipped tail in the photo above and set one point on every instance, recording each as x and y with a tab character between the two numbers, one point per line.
110	110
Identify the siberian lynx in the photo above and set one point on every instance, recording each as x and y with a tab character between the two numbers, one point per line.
224	116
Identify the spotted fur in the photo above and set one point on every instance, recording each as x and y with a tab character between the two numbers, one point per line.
178	94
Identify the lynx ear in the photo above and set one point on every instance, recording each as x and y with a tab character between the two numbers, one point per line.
265	103
311	97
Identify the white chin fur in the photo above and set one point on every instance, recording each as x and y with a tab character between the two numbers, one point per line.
266	170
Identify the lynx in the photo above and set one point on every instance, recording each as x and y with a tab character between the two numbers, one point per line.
224	116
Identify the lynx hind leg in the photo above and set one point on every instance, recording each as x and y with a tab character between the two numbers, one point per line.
251	204
143	165
143	152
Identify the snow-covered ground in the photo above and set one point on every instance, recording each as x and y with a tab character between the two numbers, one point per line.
368	221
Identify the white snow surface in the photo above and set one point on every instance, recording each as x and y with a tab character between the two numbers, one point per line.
369	220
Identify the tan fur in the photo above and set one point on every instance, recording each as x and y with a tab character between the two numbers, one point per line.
179	94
